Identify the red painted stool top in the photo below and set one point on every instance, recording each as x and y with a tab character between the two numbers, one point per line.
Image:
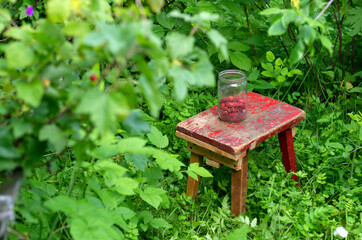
265	118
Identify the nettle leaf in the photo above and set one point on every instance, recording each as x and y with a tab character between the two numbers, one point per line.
219	41
139	160
62	203
167	161
160	223
240	60
110	169
19	55
194	169
30	92
134	145
152	196
179	45
261	84
104	109
157	139
124	185
54	135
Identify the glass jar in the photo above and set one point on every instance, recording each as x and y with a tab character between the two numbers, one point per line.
232	95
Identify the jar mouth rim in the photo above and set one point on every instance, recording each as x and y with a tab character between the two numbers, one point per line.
238	75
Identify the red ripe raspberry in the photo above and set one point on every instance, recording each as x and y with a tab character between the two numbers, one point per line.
93	78
231	98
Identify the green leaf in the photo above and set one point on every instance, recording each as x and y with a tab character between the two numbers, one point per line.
254	74
261	84
182	78
126	212
133	145
297	53
152	94
139	160
219	41
7	149
307	33
354	18
157	139
76	28
165	21
239	234
195	168
270	11
54	135
20	127
278	62
30	92
18	55
62	203
240	60
293	72
326	43
238	46
155	5
277	28
59	10
284	71
270	56
110	170
152	196
179	45
203	74
281	79
288	17
167	161
103	109
160	223
124	185
335	145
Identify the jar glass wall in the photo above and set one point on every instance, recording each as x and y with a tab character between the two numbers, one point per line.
232	95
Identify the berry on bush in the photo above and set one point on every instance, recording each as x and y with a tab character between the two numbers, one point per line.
93	78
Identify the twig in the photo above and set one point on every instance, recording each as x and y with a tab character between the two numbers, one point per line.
324	9
325	62
352	151
248	24
168	4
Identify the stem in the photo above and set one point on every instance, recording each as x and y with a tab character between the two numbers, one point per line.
248	24
324	9
352	53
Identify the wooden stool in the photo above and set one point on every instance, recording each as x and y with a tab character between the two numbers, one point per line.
228	143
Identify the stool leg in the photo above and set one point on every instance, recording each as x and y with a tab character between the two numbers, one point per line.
288	154
238	188
192	184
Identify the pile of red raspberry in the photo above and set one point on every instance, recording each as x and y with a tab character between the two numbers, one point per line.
232	109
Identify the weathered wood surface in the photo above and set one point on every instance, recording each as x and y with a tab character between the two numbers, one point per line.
210	147
234	164
265	118
288	154
239	188
212	163
192	184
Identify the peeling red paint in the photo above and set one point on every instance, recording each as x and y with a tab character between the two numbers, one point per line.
265	118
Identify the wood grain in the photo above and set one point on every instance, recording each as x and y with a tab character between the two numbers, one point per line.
287	149
192	184
233	164
212	163
239	188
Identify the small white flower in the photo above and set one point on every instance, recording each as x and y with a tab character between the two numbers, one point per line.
341	232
